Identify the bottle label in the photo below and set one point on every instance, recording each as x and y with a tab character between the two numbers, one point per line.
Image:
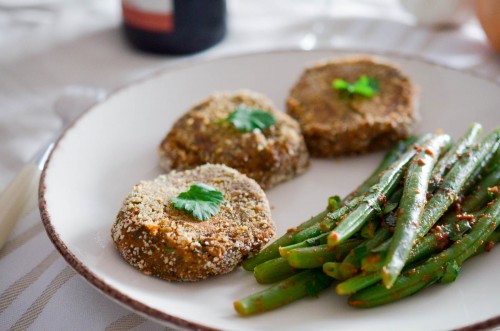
151	15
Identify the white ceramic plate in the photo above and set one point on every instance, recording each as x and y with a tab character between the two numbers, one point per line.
113	146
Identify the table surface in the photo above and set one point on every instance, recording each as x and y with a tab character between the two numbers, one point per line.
48	45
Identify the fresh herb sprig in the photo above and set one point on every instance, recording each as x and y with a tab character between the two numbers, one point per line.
248	119
365	86
201	200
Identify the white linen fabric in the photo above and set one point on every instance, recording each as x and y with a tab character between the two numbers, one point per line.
50	44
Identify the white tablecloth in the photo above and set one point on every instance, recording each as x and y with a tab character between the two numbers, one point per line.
47	45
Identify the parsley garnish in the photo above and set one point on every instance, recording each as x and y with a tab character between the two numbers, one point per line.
365	86
201	200
248	119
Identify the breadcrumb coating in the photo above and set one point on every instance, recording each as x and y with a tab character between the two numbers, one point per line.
335	124
160	240
202	135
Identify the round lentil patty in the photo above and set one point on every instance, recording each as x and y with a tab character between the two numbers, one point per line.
203	135
334	123
160	240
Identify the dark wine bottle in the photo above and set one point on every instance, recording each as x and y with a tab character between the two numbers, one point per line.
174	26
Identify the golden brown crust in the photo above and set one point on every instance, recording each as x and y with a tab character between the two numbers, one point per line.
334	125
270	156
160	240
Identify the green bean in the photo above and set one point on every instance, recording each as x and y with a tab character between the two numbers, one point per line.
432	270
436	241
372	263
492	240
389	158
479	173
471	203
357	283
328	223
351	264
370	204
272	250
314	257
445	163
273	271
405	286
481	193
352	202
383	247
304	246
321	237
412	206
368	230
475	200
430	244
309	282
455	180
332	269
449	229
311	242
317	231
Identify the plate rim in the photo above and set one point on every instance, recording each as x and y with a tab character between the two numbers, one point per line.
140	307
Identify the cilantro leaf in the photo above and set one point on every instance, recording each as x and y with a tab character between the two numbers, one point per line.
201	200
248	119
340	84
365	86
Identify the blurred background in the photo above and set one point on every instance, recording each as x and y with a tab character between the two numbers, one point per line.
50	44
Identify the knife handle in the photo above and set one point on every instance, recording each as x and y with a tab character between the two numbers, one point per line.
16	198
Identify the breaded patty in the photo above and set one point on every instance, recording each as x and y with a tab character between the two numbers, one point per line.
333	124
203	135
158	239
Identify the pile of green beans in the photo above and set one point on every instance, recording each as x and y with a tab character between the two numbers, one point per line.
430	205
